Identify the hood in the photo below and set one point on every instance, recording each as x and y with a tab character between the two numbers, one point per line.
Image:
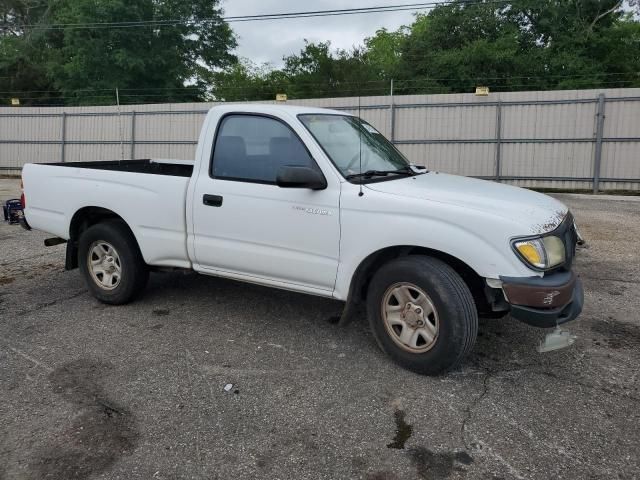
537	212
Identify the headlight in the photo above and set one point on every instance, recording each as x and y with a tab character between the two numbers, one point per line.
541	253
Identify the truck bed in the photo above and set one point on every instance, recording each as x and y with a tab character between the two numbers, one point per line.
175	168
149	195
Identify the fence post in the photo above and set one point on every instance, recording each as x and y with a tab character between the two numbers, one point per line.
133	134
63	137
498	140
597	158
392	113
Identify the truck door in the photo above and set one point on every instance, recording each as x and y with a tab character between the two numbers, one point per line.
245	226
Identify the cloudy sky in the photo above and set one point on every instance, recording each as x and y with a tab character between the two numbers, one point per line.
268	41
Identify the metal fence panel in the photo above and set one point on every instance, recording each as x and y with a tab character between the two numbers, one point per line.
168	126
623	119
621	160
27	128
559	121
460	159
554	139
180	152
450	123
90	152
573	160
14	155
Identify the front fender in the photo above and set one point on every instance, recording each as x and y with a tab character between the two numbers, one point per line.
481	242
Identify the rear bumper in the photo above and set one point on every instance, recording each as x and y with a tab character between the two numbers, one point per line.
544	302
24	224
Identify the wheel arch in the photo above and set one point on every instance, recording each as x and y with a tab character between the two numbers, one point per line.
366	269
82	219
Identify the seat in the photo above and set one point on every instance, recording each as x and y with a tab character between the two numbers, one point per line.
230	157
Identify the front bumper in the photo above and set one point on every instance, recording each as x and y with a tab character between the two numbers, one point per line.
544	302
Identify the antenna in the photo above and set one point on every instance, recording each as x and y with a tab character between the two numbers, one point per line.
360	193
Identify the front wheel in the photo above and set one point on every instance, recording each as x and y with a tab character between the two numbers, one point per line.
422	314
111	262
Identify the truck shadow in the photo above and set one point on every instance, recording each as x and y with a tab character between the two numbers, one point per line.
501	344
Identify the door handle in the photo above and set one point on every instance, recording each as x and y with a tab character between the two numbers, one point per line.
212	200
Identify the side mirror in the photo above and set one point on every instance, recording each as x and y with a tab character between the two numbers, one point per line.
300	177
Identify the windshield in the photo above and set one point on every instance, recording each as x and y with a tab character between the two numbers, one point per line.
349	140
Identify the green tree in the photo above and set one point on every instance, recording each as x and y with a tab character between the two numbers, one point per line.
22	62
315	72
147	63
582	44
245	81
382	53
455	46
522	45
318	72
516	45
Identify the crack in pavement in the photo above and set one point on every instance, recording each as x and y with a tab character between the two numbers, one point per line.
51	303
587	385
491	374
31	359
468	411
524	369
515	473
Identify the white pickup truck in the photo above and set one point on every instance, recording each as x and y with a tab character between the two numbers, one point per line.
318	201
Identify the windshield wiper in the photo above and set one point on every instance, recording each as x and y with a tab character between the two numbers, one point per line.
382	173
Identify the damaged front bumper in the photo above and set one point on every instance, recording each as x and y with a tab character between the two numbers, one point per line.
544	301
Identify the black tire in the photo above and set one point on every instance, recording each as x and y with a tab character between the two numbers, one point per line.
458	318
134	272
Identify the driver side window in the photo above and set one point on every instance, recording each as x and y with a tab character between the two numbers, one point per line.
252	148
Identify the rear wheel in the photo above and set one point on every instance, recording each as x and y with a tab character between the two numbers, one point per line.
422	314
111	262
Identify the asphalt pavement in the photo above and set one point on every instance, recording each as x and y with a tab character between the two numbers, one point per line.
89	391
